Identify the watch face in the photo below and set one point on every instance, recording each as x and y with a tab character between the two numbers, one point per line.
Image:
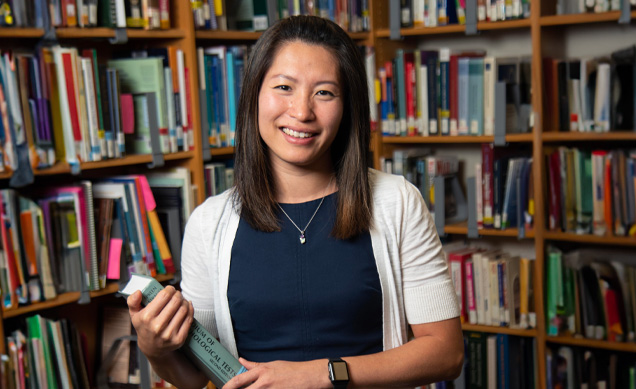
338	371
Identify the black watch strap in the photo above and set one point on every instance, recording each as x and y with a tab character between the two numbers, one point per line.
338	373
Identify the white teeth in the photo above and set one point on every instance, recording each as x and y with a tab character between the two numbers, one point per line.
296	134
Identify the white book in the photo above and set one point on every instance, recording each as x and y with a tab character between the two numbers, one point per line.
120	12
67	128
173	146
490	82
91	109
493	302
423	92
480	195
602	99
182	98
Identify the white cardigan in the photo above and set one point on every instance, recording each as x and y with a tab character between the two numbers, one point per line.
416	285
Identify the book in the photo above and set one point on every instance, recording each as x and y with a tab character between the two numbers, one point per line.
200	347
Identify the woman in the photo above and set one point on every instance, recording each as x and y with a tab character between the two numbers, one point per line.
313	262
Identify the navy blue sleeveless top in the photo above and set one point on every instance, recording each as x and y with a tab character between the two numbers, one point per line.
298	302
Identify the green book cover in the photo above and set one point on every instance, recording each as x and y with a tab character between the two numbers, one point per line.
140	76
36	329
554	298
203	349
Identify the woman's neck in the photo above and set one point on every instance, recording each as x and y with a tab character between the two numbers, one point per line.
300	187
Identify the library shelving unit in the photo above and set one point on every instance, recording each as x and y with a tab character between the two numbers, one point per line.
543	34
579	36
179	35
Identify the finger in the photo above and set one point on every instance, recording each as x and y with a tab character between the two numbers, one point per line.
159	302
171	307
134	303
177	322
248	364
185	328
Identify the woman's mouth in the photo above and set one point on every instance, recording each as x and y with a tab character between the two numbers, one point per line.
296	134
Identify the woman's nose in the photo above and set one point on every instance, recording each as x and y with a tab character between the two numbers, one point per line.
301	108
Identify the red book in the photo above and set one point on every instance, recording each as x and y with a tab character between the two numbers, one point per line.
127	113
551	102
457	263
554	209
488	198
612	314
410	87
189	135
471	304
69	76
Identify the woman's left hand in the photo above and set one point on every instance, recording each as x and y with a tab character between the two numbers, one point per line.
282	374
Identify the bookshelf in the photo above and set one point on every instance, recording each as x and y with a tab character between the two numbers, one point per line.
181	36
544	33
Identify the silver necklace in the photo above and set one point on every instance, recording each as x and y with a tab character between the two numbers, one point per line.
303	238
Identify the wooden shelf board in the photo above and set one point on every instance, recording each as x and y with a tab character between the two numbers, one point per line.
21	32
582	18
592	343
104	32
499	330
69	298
462	229
61	299
134	160
454	139
221	151
456	28
504	25
588	136
587	238
227	35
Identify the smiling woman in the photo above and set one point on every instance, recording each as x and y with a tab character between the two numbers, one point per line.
313	268
300	109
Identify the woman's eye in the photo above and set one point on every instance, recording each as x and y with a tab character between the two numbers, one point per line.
283	87
325	93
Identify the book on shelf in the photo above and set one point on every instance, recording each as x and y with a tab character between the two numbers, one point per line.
580	90
203	350
595	299
493	287
444	92
592	192
257	15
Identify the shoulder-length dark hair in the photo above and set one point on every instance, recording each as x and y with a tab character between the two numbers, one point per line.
255	191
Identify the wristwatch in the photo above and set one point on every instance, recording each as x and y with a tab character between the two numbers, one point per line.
338	373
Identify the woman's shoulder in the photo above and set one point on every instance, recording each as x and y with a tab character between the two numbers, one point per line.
382	182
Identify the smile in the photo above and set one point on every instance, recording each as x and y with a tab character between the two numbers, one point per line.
297	134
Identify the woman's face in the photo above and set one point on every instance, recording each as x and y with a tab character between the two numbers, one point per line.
300	106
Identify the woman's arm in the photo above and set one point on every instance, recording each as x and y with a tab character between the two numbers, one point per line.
162	328
436	354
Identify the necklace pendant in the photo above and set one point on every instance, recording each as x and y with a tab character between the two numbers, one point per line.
302	239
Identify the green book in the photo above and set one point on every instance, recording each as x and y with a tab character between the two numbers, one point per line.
139	76
203	349
36	328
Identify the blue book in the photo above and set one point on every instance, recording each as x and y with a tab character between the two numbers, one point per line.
462	95
476	96
231	93
398	71
503	361
210	100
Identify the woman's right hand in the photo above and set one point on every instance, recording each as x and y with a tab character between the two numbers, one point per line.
162	326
